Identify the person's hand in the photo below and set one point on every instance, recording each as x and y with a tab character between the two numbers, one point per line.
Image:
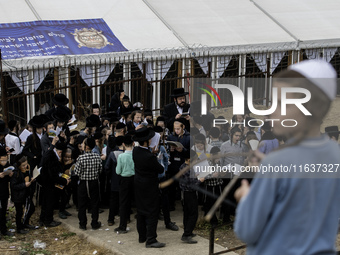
55	140
202	179
154	150
187	117
11	174
242	191
62	134
27	184
255	158
68	181
178	116
172	148
2	175
139	126
179	149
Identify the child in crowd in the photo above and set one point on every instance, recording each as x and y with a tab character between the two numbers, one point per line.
4	191
126	169
190	201
20	195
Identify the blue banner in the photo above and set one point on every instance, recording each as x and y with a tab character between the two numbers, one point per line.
56	37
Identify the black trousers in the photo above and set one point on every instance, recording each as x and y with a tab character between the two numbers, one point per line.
88	191
49	200
62	198
29	209
3	209
125	196
114	206
190	211
165	203
74	189
147	228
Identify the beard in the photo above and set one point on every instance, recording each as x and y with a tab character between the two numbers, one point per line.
182	104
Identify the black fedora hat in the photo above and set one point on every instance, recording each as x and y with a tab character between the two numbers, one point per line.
147	112
126	111
37	121
179	92
3	129
333	130
60	99
93	121
61	114
143	134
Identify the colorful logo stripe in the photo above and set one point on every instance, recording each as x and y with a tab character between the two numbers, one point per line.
213	90
206	91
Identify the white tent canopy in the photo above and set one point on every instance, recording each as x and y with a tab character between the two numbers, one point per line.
159	28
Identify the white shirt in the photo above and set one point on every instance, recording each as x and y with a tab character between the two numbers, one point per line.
13	141
179	109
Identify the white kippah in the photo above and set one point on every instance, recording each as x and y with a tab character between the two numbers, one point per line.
320	73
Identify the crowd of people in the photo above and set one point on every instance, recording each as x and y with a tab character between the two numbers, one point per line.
119	159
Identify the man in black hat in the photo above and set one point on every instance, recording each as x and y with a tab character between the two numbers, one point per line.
177	109
3	132
58	100
61	116
92	122
116	100
95	109
147	169
333	132
50	177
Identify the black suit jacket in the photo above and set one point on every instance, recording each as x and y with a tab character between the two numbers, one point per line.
30	150
170	112
147	169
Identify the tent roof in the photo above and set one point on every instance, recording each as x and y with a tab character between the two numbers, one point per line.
162	27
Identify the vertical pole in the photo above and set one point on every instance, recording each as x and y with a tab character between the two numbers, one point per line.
154	85
3	94
179	73
30	86
127	77
94	90
267	81
211	241
144	84
78	95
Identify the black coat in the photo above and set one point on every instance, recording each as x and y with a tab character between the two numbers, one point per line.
176	158
51	168
115	102
147	169
4	188
30	150
45	143
170	112
110	170
19	191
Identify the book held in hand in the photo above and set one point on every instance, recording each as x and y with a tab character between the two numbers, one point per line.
175	144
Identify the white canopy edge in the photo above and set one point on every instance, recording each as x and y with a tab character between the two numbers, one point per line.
148	55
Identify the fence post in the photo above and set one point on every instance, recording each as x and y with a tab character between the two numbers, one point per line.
144	87
78	94
3	93
211	240
268	82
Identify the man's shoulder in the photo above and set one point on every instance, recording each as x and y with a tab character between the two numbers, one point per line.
169	106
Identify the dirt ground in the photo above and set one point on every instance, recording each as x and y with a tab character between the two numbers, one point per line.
58	240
